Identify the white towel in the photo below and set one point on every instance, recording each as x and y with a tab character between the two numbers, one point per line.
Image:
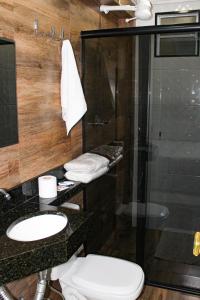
72	97
71	294
87	162
85	177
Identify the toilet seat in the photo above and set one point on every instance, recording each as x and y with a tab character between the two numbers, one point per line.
104	278
111	275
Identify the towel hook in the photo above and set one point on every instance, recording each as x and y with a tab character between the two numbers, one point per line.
36	25
53	31
62	34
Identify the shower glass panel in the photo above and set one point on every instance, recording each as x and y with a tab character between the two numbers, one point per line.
173	176
100	64
109	89
153	104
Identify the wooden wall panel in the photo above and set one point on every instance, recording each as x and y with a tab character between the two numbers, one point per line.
82	17
6	19
43	143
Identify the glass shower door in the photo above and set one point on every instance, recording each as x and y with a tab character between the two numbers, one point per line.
173	168
143	88
109	87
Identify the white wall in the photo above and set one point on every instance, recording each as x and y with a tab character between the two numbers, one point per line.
167	6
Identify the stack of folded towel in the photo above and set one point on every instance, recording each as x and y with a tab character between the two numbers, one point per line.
86	167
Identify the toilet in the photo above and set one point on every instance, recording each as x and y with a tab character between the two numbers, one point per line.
97	277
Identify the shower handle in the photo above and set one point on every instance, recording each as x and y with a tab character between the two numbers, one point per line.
98	123
196	247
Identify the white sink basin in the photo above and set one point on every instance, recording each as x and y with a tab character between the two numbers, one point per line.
37	227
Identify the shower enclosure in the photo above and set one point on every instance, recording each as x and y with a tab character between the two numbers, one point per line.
142	87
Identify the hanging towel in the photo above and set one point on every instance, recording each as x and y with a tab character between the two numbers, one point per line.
72	97
87	162
85	177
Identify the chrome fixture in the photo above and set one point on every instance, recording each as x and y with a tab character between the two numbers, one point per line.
42	284
53	31
98	123
142	9
5	294
36	25
62	33
52	34
5	194
43	280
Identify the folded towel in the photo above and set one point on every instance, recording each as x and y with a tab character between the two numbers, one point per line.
85	177
72	97
87	162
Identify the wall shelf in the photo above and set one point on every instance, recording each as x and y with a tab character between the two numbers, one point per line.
119	14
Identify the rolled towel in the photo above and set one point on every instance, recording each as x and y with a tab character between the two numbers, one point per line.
87	162
85	177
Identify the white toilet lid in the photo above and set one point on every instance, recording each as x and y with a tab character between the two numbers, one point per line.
109	275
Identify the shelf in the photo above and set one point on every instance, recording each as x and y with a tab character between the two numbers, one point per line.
119	14
115	2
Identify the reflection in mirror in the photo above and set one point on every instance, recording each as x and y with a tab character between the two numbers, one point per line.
8	101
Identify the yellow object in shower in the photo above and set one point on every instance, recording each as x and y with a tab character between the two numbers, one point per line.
196	248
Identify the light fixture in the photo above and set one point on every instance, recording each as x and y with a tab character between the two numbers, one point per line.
183	8
142	9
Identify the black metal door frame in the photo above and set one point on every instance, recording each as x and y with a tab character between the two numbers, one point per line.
143	119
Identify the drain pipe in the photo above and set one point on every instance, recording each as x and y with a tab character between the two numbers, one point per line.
43	280
5	294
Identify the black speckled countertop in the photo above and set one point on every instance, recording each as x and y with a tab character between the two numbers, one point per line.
20	259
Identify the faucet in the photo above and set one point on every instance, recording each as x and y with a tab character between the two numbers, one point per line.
196	248
5	194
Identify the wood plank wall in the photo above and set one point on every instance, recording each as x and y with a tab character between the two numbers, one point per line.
43	143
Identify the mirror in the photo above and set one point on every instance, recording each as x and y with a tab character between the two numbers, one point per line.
8	99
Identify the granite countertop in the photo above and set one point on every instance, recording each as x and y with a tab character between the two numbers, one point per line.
20	259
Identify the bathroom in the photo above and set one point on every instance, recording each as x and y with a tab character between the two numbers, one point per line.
145	210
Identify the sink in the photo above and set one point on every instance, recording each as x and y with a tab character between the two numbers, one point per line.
36	227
